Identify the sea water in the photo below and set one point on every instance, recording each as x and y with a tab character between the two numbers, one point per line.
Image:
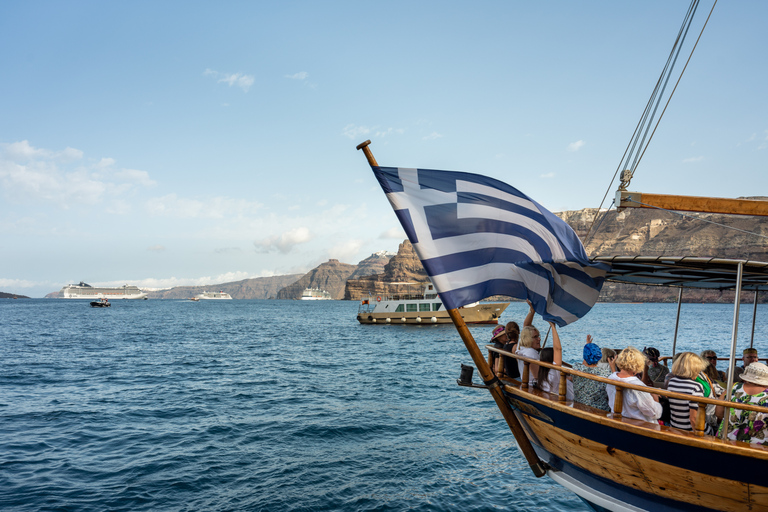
277	405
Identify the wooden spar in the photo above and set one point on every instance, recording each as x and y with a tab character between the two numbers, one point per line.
494	386
626	199
493	383
367	152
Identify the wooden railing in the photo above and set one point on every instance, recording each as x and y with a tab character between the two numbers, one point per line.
701	415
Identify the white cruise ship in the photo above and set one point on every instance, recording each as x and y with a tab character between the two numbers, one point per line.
315	294
86	291
214	296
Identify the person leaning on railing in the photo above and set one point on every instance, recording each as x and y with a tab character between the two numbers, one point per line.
636	404
549	379
749	426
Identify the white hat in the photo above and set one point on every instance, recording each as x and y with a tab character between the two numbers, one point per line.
756	373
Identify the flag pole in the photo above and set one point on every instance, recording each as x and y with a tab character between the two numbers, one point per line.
493	382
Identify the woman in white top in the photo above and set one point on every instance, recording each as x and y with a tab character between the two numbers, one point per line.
637	404
549	378
529	345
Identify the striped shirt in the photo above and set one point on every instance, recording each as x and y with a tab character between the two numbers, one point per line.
679	408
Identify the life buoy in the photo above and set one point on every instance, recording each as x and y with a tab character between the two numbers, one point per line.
378	299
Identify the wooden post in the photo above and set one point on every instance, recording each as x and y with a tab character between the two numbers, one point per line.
493	383
562	390
701	420
526	373
618	402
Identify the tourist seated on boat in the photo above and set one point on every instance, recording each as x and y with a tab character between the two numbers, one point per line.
549	378
749	356
587	391
656	372
712	389
608	356
498	338
510	363
529	345
749	426
712	372
683	412
637	404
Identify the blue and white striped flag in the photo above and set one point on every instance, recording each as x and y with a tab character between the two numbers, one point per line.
478	237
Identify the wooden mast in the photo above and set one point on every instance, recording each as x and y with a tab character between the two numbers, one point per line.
626	199
493	383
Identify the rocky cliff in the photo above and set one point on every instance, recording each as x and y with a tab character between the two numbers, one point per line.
330	276
402	270
256	288
631	232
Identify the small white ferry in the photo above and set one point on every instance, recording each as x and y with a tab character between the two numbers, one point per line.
86	291
315	294
214	296
425	308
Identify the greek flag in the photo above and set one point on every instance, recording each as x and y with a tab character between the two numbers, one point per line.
478	237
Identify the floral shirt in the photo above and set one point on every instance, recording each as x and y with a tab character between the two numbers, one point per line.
749	426
591	392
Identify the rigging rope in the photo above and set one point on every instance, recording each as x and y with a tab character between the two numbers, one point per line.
641	139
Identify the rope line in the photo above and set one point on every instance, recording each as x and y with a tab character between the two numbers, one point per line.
642	135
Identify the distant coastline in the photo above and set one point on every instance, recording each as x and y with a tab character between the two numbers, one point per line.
4	295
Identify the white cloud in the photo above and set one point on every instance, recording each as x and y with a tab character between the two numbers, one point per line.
355	132
548	175
303	75
156	248
169	282
241	80
390	131
14	284
345	250
693	159
393	234
284	242
432	136
215	208
575	146
63	178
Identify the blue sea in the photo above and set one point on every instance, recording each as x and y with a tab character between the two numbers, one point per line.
276	405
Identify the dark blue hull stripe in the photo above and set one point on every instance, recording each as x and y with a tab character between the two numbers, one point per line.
730	466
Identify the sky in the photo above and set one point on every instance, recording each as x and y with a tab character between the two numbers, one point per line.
192	143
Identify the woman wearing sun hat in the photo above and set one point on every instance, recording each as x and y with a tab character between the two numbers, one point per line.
749	426
498	338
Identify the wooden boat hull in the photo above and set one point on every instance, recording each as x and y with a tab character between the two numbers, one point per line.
627	465
483	313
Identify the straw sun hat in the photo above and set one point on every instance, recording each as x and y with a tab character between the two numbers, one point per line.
756	373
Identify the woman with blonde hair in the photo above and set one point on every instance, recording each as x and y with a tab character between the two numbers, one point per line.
637	404
528	346
685	370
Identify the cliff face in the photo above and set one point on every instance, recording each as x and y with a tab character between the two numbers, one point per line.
631	232
330	276
256	288
405	267
659	233
373	264
649	232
